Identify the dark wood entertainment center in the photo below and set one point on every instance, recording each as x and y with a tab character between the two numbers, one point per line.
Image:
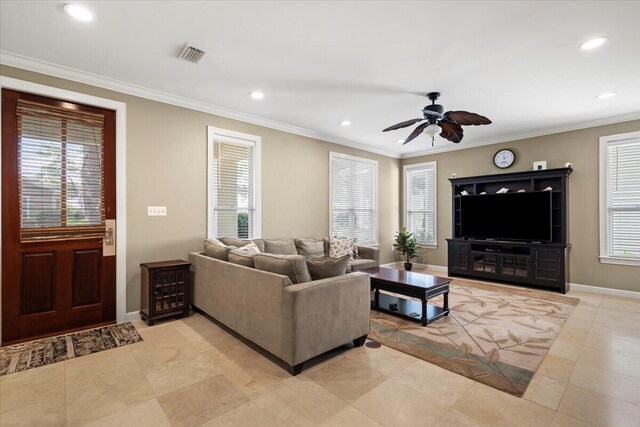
528	263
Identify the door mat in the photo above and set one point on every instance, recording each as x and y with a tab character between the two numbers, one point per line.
32	354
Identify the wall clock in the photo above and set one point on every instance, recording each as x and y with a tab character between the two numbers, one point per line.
504	158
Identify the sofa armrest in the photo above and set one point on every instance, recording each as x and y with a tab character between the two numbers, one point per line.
369	252
247	300
321	315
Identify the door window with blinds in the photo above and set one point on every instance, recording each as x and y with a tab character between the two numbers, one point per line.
233	185
620	201
60	172
420	201
353	198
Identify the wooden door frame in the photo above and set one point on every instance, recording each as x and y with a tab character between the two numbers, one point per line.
121	168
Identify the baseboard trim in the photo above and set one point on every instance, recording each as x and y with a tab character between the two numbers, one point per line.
604	291
133	315
573	286
429	266
434	267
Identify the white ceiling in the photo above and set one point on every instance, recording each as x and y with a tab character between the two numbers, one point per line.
318	63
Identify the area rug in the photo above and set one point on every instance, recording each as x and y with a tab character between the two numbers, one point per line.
32	354
495	335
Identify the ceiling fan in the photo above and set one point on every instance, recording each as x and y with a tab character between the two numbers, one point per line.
436	121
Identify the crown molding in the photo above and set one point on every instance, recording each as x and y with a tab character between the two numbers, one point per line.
525	135
60	71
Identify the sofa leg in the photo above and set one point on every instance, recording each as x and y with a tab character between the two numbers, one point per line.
295	369
359	342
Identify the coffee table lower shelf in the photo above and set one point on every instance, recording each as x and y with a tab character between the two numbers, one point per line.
406	307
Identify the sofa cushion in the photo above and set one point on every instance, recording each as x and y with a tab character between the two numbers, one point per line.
280	247
250	249
327	267
340	246
214	248
356	264
232	241
293	266
241	258
310	248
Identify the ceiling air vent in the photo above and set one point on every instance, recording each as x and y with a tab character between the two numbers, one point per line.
191	54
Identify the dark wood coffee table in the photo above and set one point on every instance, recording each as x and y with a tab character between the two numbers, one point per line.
410	284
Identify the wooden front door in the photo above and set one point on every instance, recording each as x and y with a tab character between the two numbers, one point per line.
58	200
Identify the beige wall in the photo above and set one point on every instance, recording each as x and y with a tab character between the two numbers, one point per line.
166	166
578	147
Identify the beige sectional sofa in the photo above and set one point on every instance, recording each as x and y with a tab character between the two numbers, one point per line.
294	322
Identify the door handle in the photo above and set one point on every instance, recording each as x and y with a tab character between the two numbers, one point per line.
109	240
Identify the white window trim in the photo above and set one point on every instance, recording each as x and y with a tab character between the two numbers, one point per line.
233	137
605	255
405	211
333	155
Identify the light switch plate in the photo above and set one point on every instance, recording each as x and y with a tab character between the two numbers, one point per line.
156	211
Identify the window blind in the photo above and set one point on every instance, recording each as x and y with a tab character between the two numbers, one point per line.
60	173
623	199
353	198
420	198
233	190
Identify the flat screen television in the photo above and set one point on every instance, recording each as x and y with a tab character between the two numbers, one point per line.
508	216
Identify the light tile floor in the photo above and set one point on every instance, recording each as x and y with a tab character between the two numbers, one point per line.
191	372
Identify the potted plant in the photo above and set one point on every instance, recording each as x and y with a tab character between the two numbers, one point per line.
407	245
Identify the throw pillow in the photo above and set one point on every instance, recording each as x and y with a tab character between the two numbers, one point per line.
241	258
293	266
232	241
250	249
328	267
280	247
214	248
340	246
310	248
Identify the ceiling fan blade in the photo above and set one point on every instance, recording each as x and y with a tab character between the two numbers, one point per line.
402	124
451	131
417	131
466	118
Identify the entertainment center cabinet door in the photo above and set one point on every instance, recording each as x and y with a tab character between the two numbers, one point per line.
458	257
515	267
548	269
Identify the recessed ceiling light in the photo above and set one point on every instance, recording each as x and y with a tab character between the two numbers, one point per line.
593	43
79	12
345	123
401	141
257	95
607	95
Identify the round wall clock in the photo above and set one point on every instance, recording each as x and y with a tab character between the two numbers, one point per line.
504	158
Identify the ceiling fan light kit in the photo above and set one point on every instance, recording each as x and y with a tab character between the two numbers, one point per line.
432	130
435	121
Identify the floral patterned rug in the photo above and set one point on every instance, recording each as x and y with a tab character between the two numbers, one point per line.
32	354
494	335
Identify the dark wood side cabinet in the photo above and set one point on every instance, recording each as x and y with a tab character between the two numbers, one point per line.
165	289
543	265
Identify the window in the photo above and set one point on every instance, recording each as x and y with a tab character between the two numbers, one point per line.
60	172
353	198
620	199
420	201
233	184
